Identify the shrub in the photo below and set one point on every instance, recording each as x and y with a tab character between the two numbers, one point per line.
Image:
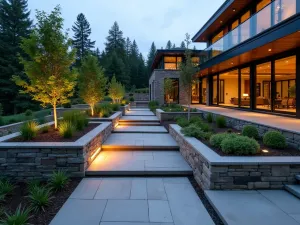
2	212
115	107
250	131
1	110
107	99
153	105
216	139
2	199
28	113
45	129
103	109
1	121
20	217
33	184
194	110
194	131
182	121
67	105
240	145
66	129
131	99
77	118
221	121
40	198
6	187
274	139
130	94
41	120
196	119
29	130
209	118
59	180
12	120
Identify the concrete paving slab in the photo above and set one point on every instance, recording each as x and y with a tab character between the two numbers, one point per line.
156	189
114	189
139	109
247	208
86	189
139	189
159	211
140	129
296	217
134	223
139	113
185	205
126	211
139	118
80	212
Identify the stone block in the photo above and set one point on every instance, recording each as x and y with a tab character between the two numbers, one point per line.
273	178
238	174
255	173
48	161
26	155
280	171
219	169
261	185
246	179
75	160
3	154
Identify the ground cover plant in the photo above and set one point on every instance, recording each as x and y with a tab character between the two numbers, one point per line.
176	108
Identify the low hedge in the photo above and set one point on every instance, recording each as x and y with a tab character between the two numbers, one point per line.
240	145
274	139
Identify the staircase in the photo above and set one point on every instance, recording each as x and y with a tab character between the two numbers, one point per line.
139	146
295	188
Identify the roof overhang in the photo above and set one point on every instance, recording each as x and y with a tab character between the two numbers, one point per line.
228	9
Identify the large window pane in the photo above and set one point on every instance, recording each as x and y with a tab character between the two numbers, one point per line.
203	90
285	79
170	63
228	87
245	88
217	37
215	90
174	96
263	86
284	9
195	93
263	17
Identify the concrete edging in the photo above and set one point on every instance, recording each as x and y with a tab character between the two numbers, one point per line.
168	116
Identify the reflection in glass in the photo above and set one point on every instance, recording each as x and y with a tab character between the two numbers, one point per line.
203	90
228	87
195	93
215	90
263	86
245	88
174	96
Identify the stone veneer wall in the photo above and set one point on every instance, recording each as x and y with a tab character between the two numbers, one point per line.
292	138
24	161
114	118
214	172
15	127
124	109
169	116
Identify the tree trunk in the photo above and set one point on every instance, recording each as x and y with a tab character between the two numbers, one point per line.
55	116
92	110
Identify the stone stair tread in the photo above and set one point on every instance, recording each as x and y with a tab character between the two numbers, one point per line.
298	177
293	189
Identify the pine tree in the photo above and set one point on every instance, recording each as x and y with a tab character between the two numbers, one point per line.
14	25
169	45
182	45
98	55
116	68
115	41
174	46
194	47
128	47
81	40
150	58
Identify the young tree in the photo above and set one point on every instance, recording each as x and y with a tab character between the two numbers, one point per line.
47	66
116	90
169	45
92	82
15	24
188	73
81	40
182	45
168	89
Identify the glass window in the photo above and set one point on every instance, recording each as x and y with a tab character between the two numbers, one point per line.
174	96
170	63
245	17
234	24
195	61
262	4
215	90
245	88
228	87
263	17
284	9
195	93
263	86
217	37
203	90
285	79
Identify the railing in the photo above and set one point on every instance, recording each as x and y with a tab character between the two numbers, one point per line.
269	16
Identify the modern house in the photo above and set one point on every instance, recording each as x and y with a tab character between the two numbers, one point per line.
166	65
252	59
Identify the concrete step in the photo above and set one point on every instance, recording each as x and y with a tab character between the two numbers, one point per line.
138	148
127	173
293	189
139	119
140	129
123	123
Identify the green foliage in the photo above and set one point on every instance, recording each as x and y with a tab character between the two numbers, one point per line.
33	184
20	217
103	109
2	212
107	99
67	105
221	121
29	130
131	99
173	108
45	129
6	187
66	129
292	91
77	118
194	131
274	139
153	105
209	118
1	121
240	145
116	90
250	131
40	198
48	45
168	89
59	180
182	121
195	119
216	139
92	81
115	107
28	113
1	109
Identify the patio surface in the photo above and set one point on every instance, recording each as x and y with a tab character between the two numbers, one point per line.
139	118
133	201
140	129
284	123
139	113
266	207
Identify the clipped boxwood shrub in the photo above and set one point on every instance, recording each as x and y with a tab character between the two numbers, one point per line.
250	131
216	139
182	121
274	139
194	131
221	121
240	145
209	118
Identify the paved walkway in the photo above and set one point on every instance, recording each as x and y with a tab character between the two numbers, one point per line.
286	123
133	201
266	207
140	129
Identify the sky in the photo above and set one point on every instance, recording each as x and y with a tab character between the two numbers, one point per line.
140	20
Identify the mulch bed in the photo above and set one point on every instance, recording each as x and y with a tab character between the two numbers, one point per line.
54	136
20	194
288	151
211	211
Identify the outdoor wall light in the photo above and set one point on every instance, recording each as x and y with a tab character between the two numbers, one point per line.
95	153
265	151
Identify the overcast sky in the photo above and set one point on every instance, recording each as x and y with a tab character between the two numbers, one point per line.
144	21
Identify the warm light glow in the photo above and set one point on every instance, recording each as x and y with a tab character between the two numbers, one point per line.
265	151
245	95
95	153
117	124
270	50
